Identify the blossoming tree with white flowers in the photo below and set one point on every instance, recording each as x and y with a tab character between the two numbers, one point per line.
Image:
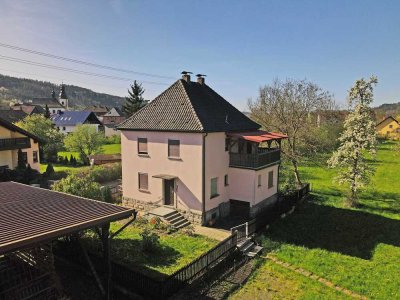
357	140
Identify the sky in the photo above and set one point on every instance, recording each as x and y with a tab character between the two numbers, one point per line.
240	45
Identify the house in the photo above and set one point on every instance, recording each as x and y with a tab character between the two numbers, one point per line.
191	150
29	109
98	110
388	128
111	119
13	139
67	121
55	105
12	116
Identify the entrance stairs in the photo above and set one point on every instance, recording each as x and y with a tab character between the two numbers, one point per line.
170	216
248	247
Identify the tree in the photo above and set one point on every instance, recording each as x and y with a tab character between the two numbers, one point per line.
135	100
47	112
85	140
82	186
357	139
286	107
44	129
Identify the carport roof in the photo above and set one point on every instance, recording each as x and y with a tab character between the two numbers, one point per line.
30	215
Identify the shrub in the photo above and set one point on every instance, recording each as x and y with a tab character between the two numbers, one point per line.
106	173
188	230
114	139
49	171
150	240
82	185
155	222
106	194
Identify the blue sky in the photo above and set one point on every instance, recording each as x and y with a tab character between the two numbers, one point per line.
240	45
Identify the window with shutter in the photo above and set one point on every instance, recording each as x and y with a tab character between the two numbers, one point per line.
35	156
142	145
143	181
270	179
173	148
214	187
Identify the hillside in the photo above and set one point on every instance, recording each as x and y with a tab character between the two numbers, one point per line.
24	89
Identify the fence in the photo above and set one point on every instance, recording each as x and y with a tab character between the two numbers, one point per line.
140	283
284	204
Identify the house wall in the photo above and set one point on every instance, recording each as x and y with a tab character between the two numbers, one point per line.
10	157
243	184
384	129
69	128
188	169
216	166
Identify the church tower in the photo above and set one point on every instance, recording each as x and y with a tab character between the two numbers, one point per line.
63	99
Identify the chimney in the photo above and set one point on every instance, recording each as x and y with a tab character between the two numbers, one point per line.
200	78
186	75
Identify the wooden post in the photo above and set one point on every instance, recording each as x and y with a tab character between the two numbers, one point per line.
105	232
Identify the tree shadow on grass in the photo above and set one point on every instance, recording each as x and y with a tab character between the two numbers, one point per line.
350	232
129	252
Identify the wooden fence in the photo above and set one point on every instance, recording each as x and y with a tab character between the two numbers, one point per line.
140	283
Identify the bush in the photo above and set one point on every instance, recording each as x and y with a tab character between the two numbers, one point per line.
106	173
188	230
49	171
114	139
106	194
150	240
82	185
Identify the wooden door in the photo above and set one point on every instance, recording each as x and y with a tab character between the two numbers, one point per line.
169	192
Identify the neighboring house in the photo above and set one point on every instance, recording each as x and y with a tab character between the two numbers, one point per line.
29	109
111	119
55	105
388	128
12	116
192	150
98	110
67	121
12	139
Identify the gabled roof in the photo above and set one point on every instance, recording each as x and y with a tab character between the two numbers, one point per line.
29	109
388	118
4	123
51	102
71	118
114	112
189	107
97	109
12	116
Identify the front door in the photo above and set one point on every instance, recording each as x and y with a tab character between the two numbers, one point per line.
169	192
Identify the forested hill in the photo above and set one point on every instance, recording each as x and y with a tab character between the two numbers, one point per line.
24	89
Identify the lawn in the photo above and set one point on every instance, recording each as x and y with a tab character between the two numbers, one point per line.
106	149
358	249
176	250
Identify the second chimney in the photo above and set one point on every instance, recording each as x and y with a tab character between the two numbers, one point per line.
186	77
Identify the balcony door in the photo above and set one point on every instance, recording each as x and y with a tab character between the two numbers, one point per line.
169	194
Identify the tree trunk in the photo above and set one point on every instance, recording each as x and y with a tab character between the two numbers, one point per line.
296	172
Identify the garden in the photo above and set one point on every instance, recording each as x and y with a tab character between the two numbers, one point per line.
355	248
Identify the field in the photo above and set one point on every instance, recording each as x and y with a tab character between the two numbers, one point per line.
357	249
175	251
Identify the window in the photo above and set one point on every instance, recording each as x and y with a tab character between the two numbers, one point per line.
143	181
64	128
270	179
226	180
142	145
214	187
227	142
390	126
24	157
54	111
35	156
259	180
173	148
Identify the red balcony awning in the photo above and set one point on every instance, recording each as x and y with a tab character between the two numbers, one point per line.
258	136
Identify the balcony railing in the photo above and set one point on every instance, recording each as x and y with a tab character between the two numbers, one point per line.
263	158
15	143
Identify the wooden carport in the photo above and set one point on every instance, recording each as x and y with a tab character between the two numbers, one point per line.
32	217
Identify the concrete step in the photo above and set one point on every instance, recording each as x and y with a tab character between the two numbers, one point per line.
247	247
255	250
176	219
187	223
176	224
171	215
243	244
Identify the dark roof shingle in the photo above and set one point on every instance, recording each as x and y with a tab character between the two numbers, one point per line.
189	107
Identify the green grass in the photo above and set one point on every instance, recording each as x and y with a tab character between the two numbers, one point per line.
271	281
176	250
358	249
106	149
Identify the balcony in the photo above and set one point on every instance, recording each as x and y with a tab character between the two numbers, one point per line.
262	159
14	143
